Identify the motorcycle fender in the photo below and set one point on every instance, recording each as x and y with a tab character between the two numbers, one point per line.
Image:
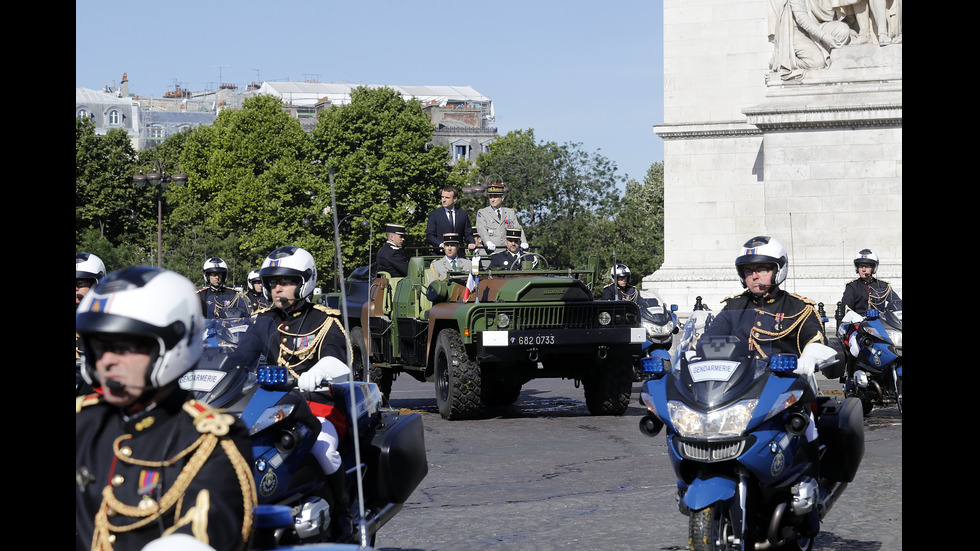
706	492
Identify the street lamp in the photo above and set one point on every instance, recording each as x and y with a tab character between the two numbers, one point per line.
482	182
160	178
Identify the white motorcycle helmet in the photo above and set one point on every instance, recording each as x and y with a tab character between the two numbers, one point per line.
289	261
620	270
215	265
253	277
145	301
763	250
89	266
866	256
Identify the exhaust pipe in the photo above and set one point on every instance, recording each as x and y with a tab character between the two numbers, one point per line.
372	524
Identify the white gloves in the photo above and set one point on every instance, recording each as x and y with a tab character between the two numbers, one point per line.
814	356
525	246
490	246
328	369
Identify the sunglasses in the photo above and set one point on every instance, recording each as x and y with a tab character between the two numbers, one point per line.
284	281
120	346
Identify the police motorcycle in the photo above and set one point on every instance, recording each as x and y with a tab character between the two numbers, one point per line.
383	455
873	346
751	473
659	323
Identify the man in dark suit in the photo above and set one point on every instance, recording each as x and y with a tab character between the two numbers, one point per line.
448	218
391	257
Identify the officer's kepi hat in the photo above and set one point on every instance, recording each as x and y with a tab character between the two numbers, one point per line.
496	188
450	238
514	233
395	228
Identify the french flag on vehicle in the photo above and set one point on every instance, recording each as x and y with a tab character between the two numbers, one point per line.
473	280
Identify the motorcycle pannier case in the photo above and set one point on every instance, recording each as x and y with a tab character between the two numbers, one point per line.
397	453
841	429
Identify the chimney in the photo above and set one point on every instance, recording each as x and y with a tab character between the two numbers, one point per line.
124	88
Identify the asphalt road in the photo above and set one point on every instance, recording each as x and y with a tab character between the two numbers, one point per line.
544	474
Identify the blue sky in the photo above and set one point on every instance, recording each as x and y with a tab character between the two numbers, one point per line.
573	70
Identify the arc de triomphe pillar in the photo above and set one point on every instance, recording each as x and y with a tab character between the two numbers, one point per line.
763	136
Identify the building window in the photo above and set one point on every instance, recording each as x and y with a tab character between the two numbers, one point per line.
82	113
112	118
460	151
155	132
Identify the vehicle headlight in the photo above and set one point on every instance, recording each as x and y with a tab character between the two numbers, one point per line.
654	330
895	336
729	421
503	320
604	318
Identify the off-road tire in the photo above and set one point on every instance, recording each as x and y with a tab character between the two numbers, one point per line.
608	388
458	385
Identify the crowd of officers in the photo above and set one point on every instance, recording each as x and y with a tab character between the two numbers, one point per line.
152	463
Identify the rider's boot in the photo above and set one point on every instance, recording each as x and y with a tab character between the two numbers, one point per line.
341	519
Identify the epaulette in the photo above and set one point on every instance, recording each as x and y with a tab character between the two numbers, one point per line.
208	420
809	301
608	285
261	309
726	299
87	400
330	311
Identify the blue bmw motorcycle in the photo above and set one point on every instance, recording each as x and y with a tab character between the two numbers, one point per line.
390	445
760	459
874	376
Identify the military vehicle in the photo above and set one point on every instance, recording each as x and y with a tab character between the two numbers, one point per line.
481	346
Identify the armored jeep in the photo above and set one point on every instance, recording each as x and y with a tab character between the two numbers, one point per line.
514	327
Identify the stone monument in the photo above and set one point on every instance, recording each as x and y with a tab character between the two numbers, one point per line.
781	118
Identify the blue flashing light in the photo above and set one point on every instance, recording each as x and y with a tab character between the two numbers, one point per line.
782	363
272	375
871	314
652	366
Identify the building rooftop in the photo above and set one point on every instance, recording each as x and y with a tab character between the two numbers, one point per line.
309	93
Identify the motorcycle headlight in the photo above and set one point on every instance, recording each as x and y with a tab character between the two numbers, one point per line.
895	336
653	330
729	421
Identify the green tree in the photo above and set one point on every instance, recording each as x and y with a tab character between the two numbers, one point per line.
565	196
384	168
251	188
638	236
111	215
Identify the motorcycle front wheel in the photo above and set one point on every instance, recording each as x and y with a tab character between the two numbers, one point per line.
711	529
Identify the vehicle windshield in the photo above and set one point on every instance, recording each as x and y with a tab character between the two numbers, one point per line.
712	363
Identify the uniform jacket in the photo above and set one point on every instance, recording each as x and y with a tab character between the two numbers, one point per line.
214	302
506	260
859	295
393	260
254	301
179	459
609	293
493	228
779	323
439	224
441	267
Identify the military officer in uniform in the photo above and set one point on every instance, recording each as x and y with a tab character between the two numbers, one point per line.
492	222
150	462
451	262
867	291
620	288
391	258
509	258
310	342
253	296
89	269
480	249
765	316
217	300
